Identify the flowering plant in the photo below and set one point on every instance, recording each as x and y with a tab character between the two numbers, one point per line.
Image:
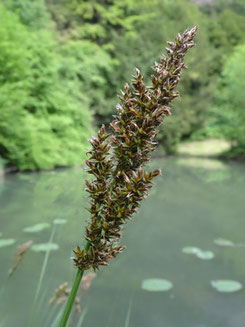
117	158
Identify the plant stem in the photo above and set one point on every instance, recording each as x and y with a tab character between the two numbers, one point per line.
71	298
41	277
72	294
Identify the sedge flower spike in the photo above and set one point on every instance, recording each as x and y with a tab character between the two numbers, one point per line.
117	158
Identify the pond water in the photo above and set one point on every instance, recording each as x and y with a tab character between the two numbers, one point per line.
194	202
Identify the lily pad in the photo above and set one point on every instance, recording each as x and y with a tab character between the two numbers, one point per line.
156	285
223	242
36	228
43	247
205	255
226	286
6	242
190	250
60	221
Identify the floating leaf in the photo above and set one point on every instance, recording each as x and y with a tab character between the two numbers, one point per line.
223	242
226	286
60	221
43	247
36	228
190	250
6	242
1	234
156	285
205	255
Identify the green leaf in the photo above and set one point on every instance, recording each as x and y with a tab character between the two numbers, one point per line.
223	242
7	242
156	285
43	247
190	250
60	221
1	234
205	255
36	228
82	317
226	286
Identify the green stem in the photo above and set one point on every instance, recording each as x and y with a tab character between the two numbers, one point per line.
71	298
72	294
41	278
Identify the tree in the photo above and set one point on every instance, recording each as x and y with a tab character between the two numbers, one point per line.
44	119
230	100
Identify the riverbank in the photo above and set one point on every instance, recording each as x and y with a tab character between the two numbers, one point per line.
211	148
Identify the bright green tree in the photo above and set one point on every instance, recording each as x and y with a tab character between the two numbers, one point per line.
230	100
44	119
157	21
32	13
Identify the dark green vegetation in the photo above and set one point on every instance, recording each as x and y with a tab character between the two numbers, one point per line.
63	62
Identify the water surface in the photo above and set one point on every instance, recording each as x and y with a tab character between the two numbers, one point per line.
193	203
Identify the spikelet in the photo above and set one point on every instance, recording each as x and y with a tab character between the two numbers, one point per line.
117	159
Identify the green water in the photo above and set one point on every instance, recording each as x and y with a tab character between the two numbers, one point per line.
192	203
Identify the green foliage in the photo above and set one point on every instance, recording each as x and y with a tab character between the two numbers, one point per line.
64	61
32	13
226	117
89	67
43	119
230	99
133	33
1	163
236	5
95	20
226	31
142	46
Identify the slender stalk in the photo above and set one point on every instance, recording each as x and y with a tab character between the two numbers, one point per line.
41	278
82	317
71	298
73	293
129	312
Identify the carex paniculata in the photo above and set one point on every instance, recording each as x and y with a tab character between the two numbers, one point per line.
117	157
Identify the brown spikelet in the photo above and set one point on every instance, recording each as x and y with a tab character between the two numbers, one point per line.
117	159
62	292
19	256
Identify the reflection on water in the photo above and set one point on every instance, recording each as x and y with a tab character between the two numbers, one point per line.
191	205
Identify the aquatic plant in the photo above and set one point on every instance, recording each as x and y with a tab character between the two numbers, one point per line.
19	256
117	158
62	292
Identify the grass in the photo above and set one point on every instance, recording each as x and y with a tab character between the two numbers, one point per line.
40	281
128	312
82	317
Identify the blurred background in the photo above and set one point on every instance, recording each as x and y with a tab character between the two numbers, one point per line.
62	64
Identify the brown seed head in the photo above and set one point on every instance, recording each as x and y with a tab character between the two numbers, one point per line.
117	159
